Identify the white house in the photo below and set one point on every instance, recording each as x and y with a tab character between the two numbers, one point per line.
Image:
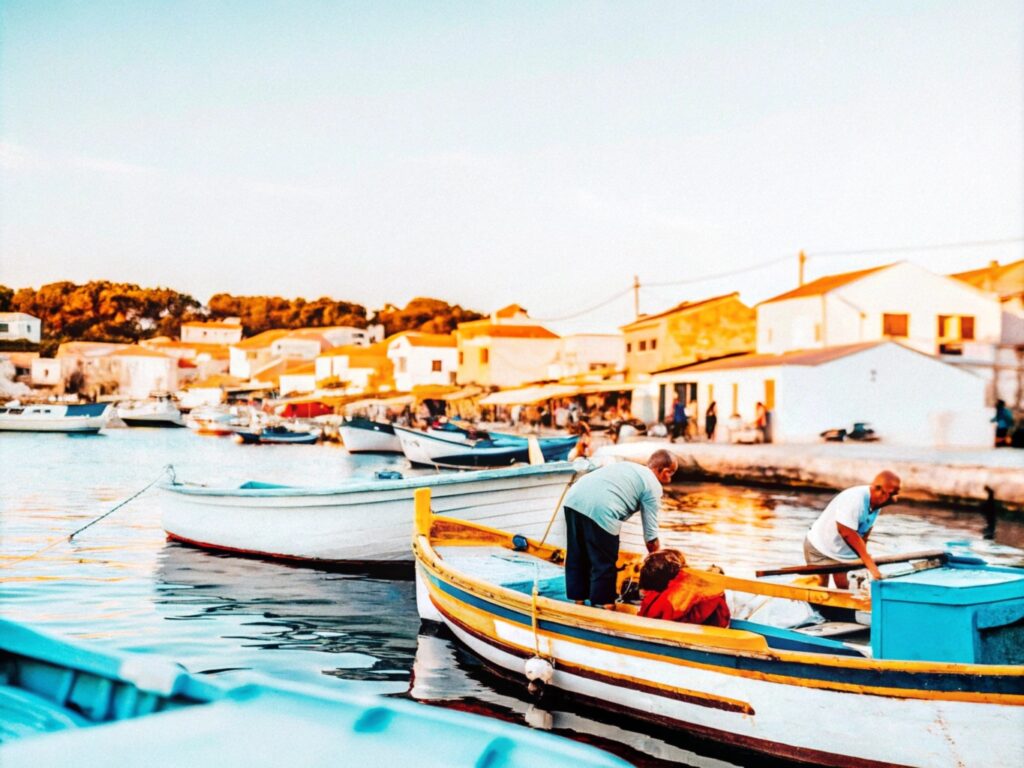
423	359
226	331
141	371
46	372
305	343
355	369
910	398
253	353
18	325
903	302
507	349
584	353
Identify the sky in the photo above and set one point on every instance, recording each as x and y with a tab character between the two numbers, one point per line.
486	153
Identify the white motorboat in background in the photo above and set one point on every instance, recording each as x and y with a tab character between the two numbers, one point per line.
81	418
368	436
158	411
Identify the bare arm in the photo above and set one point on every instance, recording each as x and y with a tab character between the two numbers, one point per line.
858	545
653	545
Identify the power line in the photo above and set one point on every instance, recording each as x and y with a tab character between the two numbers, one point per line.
588	310
719	275
909	248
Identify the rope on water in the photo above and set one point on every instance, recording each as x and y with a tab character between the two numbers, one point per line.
167	470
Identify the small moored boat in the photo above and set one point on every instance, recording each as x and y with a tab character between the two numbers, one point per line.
159	411
432	450
939	682
81	418
279	435
62	702
362	521
367	436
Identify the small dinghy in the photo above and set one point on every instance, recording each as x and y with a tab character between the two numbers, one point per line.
368	436
937	680
65	703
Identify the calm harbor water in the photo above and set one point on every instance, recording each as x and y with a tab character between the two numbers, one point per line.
121	584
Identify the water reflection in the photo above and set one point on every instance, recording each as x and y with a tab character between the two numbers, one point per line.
122	585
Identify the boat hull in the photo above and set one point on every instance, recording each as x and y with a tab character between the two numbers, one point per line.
811	708
369	439
164	423
371	523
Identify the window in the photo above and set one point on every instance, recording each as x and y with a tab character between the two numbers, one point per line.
629	347
654	343
643	345
4	327
401	365
895	325
967	328
435	366
460	358
484	356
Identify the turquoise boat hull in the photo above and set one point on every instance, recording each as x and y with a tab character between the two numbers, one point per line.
63	703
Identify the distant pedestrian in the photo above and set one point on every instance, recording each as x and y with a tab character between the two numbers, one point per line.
761	422
1004	423
679	420
711	420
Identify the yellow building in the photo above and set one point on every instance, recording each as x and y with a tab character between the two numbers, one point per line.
691	331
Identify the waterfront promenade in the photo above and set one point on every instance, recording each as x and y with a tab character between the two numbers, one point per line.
928	474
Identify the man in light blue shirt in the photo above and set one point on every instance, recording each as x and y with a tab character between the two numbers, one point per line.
595	509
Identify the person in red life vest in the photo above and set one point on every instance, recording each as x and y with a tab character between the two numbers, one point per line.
670	593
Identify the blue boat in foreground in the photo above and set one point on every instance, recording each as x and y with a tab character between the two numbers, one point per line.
64	703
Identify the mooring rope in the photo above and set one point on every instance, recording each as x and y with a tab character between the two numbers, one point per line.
557	507
167	470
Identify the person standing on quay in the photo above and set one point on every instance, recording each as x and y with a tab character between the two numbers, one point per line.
711	421
680	420
595	509
1004	423
841	532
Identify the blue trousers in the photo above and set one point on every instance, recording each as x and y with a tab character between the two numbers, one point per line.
591	554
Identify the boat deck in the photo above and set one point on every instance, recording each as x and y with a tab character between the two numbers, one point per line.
519	571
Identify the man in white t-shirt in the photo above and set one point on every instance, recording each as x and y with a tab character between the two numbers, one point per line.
841	532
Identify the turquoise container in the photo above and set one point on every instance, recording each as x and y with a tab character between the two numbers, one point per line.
963	612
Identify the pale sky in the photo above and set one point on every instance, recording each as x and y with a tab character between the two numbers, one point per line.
485	153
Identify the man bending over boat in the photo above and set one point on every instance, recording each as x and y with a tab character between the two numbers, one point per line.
595	508
670	593
841	532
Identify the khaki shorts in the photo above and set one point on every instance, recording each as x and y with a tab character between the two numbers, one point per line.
813	557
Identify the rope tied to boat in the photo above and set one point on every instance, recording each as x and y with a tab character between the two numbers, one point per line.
538	670
167	470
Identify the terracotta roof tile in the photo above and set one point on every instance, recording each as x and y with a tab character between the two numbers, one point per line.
825	284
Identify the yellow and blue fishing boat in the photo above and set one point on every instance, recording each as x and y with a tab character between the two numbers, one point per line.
64	703
939	683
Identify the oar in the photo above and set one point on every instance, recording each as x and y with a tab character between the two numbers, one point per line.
849	565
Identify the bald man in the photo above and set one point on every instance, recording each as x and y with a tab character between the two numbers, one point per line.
841	532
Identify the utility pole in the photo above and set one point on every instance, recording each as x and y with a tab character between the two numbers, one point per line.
636	297
803	260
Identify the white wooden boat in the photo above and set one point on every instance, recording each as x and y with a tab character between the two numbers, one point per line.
368	436
65	703
364	521
82	418
159	411
432	450
941	682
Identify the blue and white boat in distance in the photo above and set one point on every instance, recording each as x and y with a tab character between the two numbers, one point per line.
79	418
65	703
433	450
360	435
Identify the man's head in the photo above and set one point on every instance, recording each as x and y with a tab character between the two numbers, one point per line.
659	568
885	489
664	465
